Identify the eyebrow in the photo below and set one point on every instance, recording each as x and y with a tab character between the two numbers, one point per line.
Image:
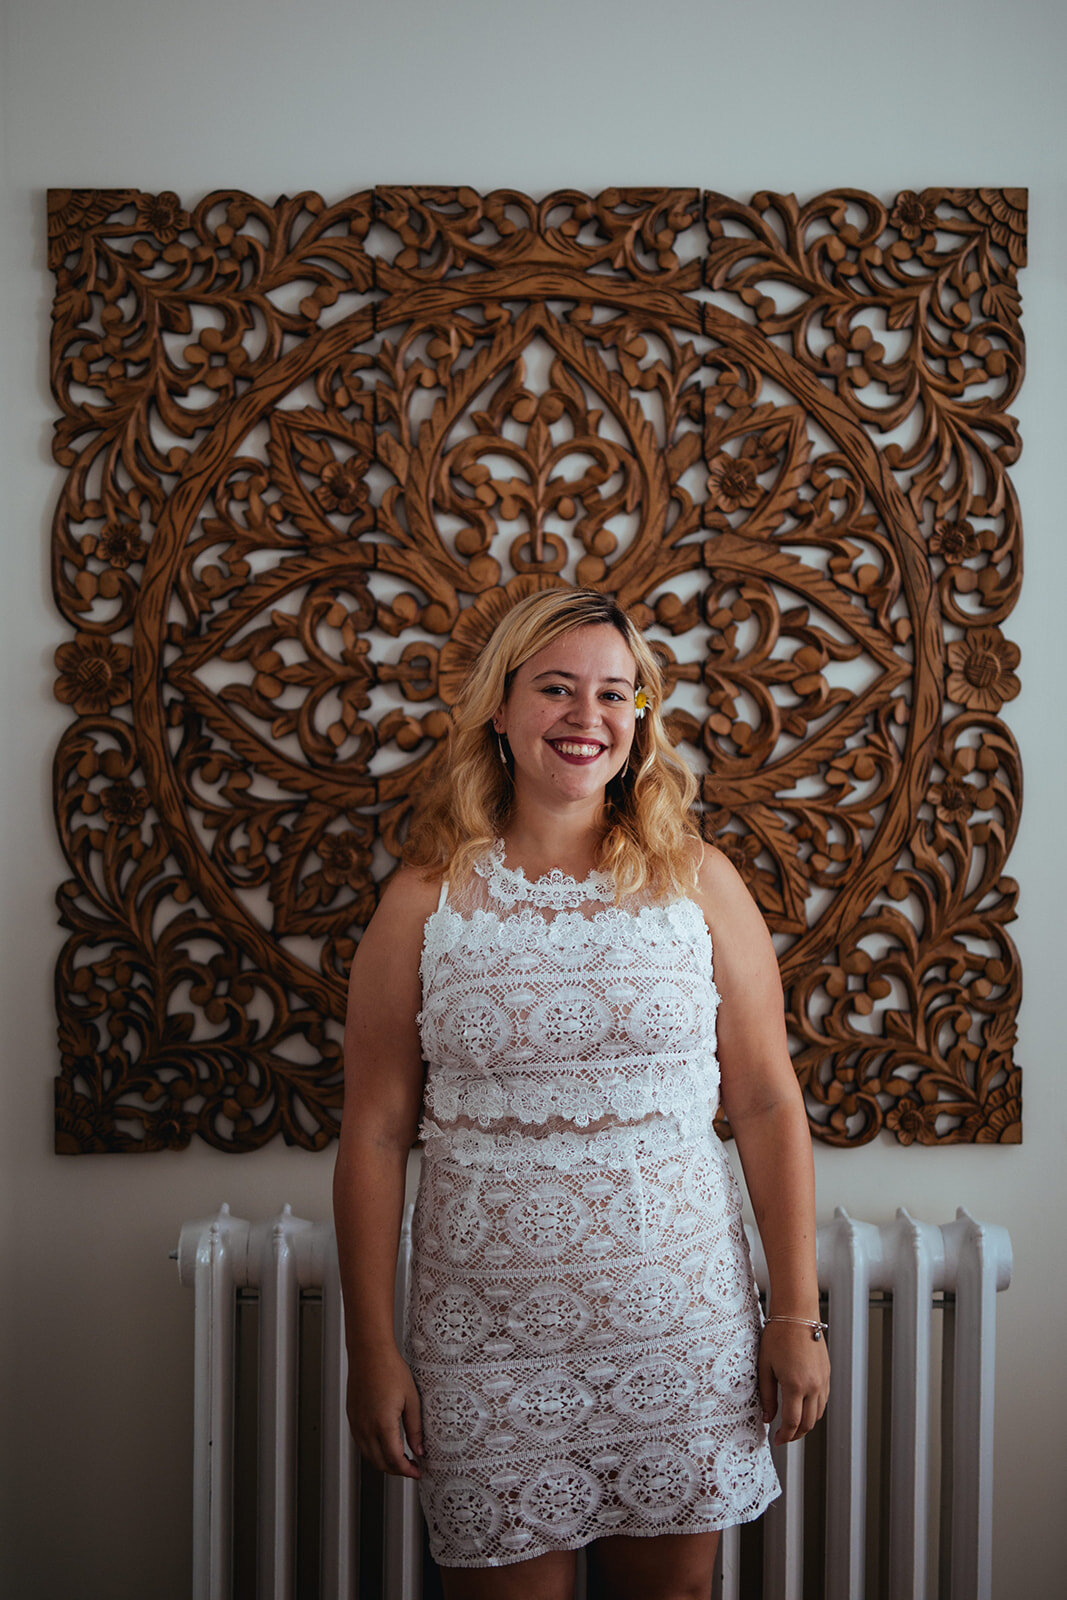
573	676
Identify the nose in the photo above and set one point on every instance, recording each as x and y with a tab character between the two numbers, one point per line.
583	710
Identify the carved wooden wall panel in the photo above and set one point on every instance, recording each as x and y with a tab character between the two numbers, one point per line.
312	453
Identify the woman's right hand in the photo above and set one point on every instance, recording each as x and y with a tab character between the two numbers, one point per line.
383	1408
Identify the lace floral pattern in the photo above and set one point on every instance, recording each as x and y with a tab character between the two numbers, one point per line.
555	891
582	1324
629	1092
558	1014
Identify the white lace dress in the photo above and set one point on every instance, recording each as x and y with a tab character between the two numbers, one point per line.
583	1324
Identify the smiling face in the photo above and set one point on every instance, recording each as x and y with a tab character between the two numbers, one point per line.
569	717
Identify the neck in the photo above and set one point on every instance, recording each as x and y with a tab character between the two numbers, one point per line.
539	839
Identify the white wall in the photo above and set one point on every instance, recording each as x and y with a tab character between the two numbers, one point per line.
335	95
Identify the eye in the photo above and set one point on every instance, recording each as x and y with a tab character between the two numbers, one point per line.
612	694
555	689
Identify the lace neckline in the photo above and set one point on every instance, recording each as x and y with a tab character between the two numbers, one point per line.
554	891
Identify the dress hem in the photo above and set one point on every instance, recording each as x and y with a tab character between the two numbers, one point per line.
609	1533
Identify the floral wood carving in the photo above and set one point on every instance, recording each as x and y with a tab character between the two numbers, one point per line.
313	452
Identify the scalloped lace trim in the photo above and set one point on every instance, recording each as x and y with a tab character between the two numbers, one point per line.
555	891
639	1086
563	1149
680	922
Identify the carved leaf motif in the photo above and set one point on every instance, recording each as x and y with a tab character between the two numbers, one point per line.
316	483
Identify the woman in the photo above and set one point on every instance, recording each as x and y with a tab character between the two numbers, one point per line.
585	1360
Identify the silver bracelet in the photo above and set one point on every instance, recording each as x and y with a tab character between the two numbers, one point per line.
817	1328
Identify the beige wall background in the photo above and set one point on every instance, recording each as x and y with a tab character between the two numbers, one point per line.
336	94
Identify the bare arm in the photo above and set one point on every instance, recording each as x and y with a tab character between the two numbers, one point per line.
762	1099
383	1092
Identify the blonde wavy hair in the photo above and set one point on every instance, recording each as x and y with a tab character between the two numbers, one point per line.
648	836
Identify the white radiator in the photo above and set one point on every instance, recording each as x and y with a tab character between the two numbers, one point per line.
898	1506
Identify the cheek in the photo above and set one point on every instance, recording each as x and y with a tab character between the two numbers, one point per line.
625	738
532	722
537	719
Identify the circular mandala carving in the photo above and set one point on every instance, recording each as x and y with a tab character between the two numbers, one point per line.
284	539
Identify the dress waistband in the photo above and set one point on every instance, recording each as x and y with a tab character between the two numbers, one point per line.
562	1149
624	1088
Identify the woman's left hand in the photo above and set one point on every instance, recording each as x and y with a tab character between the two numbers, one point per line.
795	1367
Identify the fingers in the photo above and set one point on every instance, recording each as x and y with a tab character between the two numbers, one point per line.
383	1447
385	1416
792	1425
412	1419
395	1457
791	1419
795	1370
768	1390
389	1440
801	1410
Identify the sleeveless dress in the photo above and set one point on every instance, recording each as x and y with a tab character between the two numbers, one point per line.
582	1323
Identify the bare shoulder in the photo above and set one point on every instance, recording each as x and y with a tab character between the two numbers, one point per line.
411	891
725	899
407	900
746	967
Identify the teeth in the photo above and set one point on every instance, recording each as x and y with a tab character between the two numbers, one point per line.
569	748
